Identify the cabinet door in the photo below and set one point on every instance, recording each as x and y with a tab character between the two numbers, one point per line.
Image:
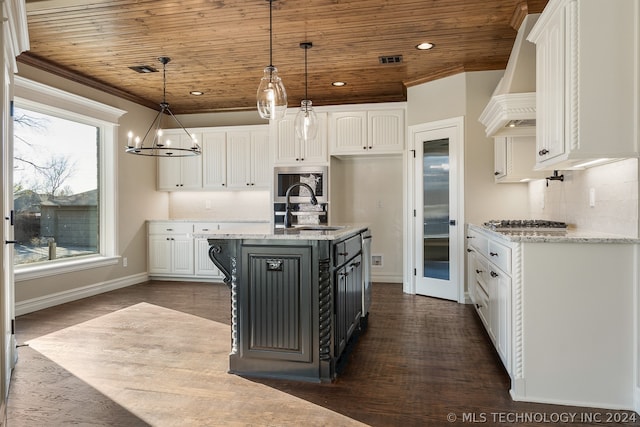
550	84
341	327
385	131
190	167
159	254
500	157
354	292
348	132
239	159
500	312
287	146
214	160
261	171
315	151
169	174
182	255
204	267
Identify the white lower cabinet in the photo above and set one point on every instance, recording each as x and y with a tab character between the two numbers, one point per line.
170	249
174	254
559	312
490	290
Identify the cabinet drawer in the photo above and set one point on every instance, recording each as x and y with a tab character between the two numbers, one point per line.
477	241
205	227
347	249
500	255
170	228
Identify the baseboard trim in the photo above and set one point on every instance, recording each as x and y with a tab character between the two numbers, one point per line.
3	413
386	277
40	303
578	403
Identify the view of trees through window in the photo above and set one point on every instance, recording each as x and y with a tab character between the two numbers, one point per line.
55	187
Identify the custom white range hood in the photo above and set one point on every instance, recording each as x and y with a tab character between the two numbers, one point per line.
512	108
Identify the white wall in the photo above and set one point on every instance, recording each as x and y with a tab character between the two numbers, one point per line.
369	190
616	198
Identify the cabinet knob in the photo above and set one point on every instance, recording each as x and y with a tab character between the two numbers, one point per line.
493	253
471	237
543	152
478	271
469	250
223	184
478	306
496	173
343	253
493	274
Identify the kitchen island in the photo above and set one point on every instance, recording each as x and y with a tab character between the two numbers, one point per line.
298	296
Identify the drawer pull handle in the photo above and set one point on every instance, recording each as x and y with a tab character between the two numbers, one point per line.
469	250
494	274
543	152
343	253
478	306
478	271
471	237
493	253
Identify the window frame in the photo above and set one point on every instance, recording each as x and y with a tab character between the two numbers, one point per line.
39	97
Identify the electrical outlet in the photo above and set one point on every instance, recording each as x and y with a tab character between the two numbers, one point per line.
376	260
592	197
124	261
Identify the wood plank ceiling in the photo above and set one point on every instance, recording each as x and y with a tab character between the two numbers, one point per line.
220	47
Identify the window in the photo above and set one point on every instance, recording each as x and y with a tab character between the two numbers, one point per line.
63	181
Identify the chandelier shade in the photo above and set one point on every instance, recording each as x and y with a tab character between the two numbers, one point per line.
306	121
271	95
154	143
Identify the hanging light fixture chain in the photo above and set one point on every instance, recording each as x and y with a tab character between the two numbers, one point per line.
270	33
306	95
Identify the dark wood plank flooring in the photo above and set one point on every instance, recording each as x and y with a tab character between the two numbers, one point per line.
420	360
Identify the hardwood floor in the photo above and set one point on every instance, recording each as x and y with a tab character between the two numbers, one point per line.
420	361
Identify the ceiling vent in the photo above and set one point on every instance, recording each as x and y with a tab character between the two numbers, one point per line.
393	59
143	69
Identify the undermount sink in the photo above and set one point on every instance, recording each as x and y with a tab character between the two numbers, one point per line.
320	227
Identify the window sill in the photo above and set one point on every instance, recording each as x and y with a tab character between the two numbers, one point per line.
63	267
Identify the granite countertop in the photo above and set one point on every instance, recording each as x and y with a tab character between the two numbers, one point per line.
253	221
296	233
571	235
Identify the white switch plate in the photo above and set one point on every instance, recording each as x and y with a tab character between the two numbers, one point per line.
124	261
592	197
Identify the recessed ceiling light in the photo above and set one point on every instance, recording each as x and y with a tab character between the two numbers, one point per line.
196	92
425	46
338	84
143	69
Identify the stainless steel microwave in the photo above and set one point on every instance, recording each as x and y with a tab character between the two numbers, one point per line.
315	176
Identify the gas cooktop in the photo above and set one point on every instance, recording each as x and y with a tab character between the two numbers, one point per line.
526	225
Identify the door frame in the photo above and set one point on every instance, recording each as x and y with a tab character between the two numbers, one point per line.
410	183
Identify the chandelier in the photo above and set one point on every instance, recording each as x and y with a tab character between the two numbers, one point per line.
154	142
306	121
271	95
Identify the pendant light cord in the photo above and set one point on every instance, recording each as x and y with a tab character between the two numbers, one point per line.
270	33
306	95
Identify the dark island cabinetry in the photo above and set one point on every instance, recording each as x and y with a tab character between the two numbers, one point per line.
296	302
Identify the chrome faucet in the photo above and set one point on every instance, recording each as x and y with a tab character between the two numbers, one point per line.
288	217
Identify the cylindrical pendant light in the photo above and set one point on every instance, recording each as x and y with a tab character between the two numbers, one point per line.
306	122
271	95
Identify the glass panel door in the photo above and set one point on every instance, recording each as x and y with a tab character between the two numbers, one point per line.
435	184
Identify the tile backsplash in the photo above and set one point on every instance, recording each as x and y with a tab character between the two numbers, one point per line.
221	205
612	187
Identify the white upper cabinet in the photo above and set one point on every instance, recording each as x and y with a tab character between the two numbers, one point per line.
235	157
368	131
291	151
180	173
214	160
586	69
514	159
248	158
